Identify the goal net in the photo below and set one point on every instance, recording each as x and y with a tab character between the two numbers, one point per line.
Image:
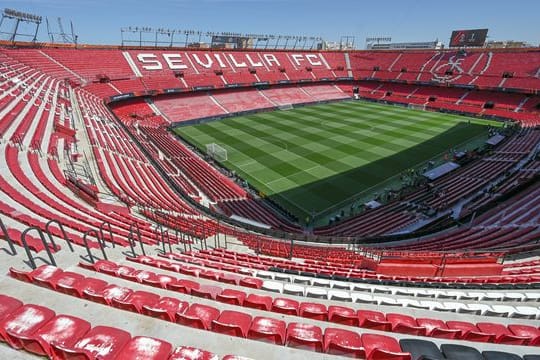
216	152
417	106
286	107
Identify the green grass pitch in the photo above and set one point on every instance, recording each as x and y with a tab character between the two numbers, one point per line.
313	158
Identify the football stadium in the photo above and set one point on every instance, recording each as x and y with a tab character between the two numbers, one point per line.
188	194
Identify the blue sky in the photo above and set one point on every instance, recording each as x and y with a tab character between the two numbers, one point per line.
99	22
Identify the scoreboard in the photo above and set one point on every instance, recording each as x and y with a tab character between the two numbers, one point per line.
475	37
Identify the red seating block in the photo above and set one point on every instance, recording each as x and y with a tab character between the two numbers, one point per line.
267	329
380	347
438	328
343	342
198	316
304	336
231	296
530	332
232	323
135	301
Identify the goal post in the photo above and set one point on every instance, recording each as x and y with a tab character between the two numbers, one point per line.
216	152
417	106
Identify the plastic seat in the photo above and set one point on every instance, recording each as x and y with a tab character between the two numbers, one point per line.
86	284
62	278
304	336
500	311
525	312
339	295
381	347
343	342
183	286
135	301
499	355
421	349
232	323
166	308
502	334
313	311
342	315
316	293
8	304
251	282
273	286
22	322
293	289
530	332
405	324
231	296
470	331
101	342
265	274
260	302
438	328
460	352
62	329
191	353
305	280
363	298
285	306
198	316
148	348
320	282
375	320
388	301
268	330
207	291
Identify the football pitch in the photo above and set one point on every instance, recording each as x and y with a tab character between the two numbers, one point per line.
318	158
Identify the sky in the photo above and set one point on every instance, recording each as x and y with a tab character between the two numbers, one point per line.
99	21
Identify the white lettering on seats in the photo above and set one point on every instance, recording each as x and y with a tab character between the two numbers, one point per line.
150	61
314	59
206	65
175	61
271	58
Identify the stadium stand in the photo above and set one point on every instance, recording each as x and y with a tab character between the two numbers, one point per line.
85	144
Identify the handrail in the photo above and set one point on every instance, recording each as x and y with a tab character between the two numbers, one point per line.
7	237
64	234
108	225
85	241
43	241
135	230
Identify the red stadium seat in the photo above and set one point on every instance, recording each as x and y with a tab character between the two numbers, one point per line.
343	342
261	302
166	308
191	353
502	334
233	323
375	320
142	347
8	305
342	315
285	306
313	311
470	331
405	324
380	347
22	323
231	296
267	329
530	332
438	328
198	316
304	336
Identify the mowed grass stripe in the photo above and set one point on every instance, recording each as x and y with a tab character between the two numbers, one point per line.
311	158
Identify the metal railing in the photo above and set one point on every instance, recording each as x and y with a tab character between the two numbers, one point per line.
64	234
88	251
4	231
43	241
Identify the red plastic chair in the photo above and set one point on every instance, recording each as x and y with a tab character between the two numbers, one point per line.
304	336
267	329
528	331
232	323
8	305
405	324
191	353
380	347
207	291
438	328
166	308
22	323
183	286
261	302
343	342
343	315
285	306
147	348
135	301
502	334
101	342
63	330
198	316
373	320
313	311
470	331
231	296
251	282
77	288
